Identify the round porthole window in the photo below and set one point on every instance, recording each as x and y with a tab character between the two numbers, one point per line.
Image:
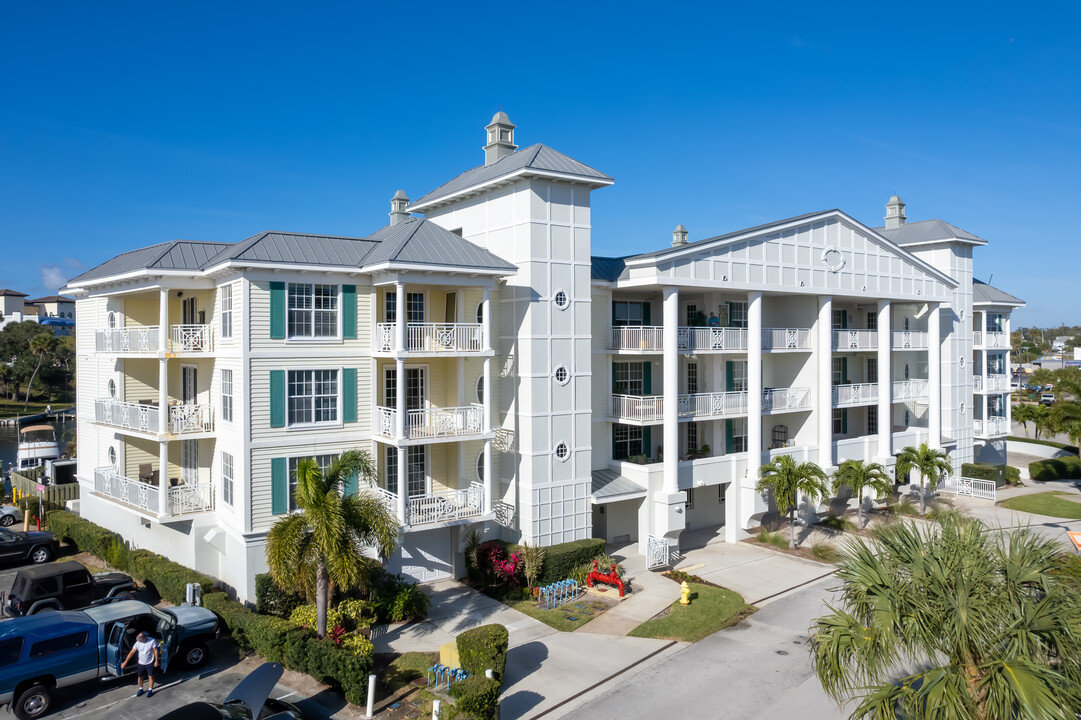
112	320
561	375
480	389
480	467
908	418
562	451
961	408
961	361
112	389
112	456
480	313
961	314
561	300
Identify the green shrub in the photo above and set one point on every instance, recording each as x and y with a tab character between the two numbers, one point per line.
484	648
307	616
1063	468
356	614
1013	475
985	471
271	599
84	534
561	560
357	644
477	697
395	599
1048	443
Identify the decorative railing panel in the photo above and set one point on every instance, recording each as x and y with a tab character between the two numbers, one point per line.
706	339
443	422
855	339
643	408
972	487
444	337
707	405
191	338
128	340
190	419
909	389
445	506
786	339
130	415
108	482
909	340
188	498
657	553
384	337
785	399
990	383
857	394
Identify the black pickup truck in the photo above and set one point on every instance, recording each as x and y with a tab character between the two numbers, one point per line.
65	586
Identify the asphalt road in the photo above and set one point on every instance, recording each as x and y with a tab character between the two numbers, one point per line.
760	668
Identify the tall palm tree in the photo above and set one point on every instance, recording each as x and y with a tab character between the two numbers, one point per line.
857	476
930	463
1025	413
323	541
958	623
786	481
40	345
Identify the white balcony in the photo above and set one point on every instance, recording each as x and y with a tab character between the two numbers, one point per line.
140	417
909	340
190	418
855	394
990	383
994	427
191	338
432	423
128	340
445	506
650	339
649	409
909	390
779	400
433	338
638	408
777	339
184	499
991	339
855	340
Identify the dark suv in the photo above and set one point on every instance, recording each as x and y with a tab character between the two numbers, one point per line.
65	586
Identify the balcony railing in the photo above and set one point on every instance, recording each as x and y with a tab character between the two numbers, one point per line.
127	340
190	419
776	400
445	506
638	337
855	340
909	340
108	482
857	394
712	405
909	390
706	339
786	339
433	338
129	415
190	498
191	338
432	423
643	408
990	339
994	427
990	383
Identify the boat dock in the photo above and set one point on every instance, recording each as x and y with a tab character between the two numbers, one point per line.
38	417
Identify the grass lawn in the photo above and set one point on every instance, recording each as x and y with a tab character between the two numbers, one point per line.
1046	503
711	609
408	667
566	618
11	409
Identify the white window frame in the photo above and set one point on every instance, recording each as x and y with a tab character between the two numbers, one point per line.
739	435
392	452
227	395
225	293
313	423
624	372
838	421
628	436
738	317
227	479
739	376
624	308
312	310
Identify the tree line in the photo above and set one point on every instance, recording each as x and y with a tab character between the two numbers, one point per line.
34	362
1064	415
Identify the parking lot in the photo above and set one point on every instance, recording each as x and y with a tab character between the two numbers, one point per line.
113	698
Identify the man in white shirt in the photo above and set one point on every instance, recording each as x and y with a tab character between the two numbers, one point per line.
149	659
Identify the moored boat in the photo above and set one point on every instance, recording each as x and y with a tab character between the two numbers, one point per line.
37	443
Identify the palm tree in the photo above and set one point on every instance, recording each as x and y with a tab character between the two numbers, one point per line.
323	541
40	345
786	481
857	476
1025	413
931	464
958	623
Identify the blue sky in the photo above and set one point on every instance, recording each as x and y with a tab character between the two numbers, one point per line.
128	124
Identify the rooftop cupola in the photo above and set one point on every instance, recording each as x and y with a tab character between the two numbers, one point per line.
679	236
398	205
500	138
895	213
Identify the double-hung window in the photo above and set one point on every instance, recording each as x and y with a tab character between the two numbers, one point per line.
313	397
227	311
414	307
737	314
227	395
628	378
628	313
323	461
417	476
227	478
872	420
313	310
627	441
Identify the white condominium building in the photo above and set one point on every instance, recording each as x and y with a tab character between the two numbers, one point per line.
505	380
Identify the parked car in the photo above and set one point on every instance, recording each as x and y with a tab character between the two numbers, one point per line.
250	700
10	515
1047	399
43	652
64	586
35	546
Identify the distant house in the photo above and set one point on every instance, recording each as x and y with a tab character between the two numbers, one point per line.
13	307
55	311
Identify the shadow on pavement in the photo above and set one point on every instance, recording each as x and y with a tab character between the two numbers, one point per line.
518	704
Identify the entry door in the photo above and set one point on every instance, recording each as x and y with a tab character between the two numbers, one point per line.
188	384
189	462
451	313
415	384
188	312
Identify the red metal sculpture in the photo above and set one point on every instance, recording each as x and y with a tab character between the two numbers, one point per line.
610	578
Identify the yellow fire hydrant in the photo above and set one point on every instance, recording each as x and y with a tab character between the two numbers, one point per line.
684	593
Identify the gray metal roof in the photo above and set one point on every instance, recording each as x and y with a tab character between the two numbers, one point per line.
984	294
534	157
173	255
606	268
422	242
297	249
925	231
609	486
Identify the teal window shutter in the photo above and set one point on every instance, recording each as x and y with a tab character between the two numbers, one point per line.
729	437
277	398
729	382
844	421
647	378
349	313
349	395
844	370
277	310
351	485
279	486
647	441
728	312
646	319
844	319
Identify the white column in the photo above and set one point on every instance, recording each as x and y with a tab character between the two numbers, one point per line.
163	478
671	390
399	398
403	485
885	381
824	390
488	499
487	427
486	318
934	376
163	362
754	383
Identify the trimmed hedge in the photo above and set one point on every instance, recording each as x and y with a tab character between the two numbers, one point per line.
1048	443
1066	468
296	648
561	560
477	697
484	648
1000	474
170	579
272	600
